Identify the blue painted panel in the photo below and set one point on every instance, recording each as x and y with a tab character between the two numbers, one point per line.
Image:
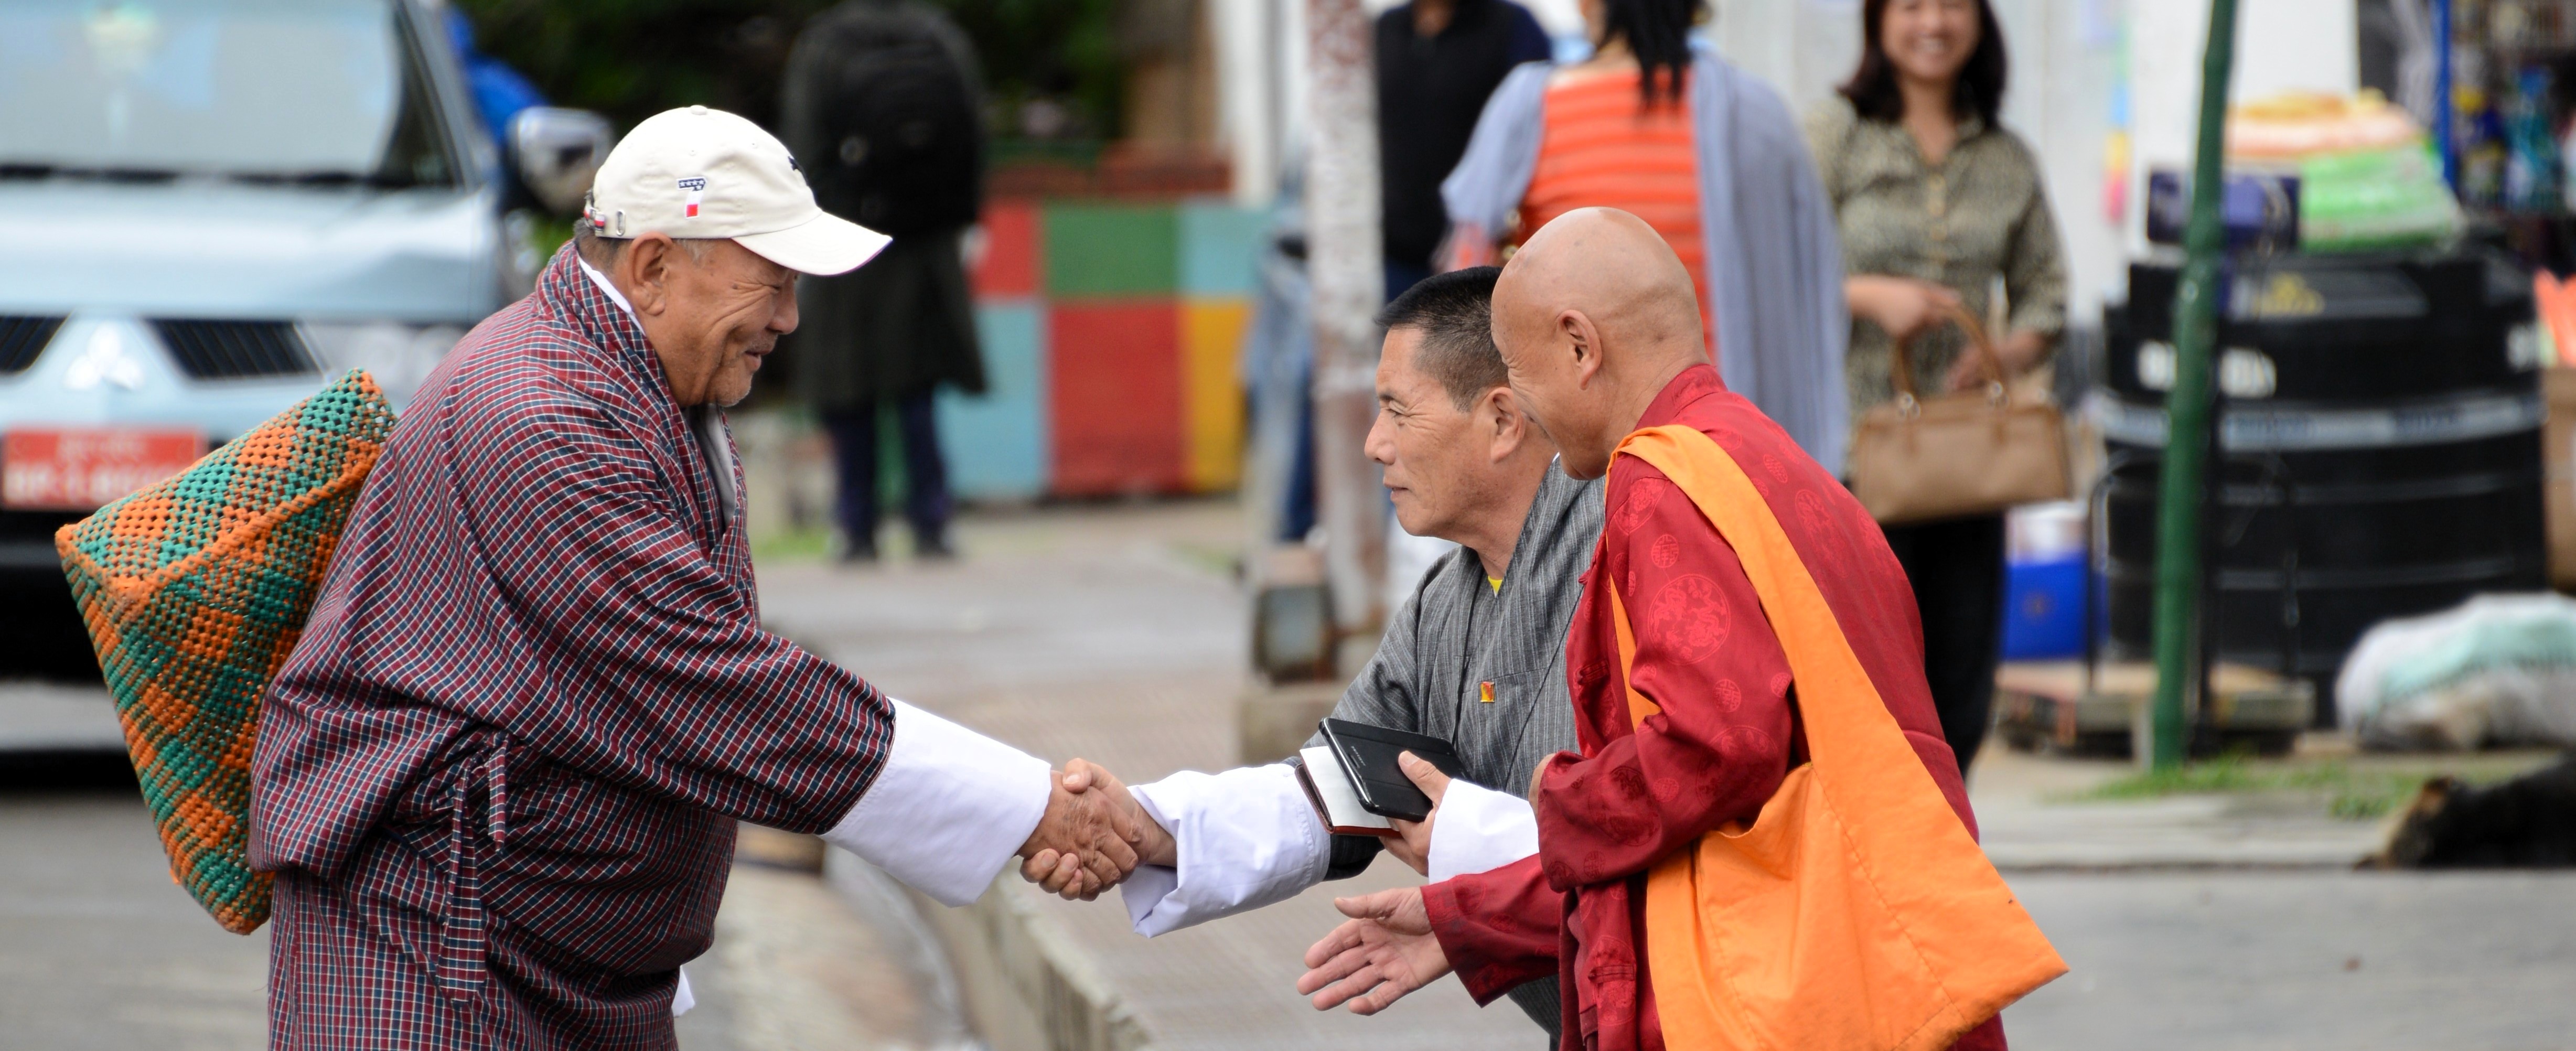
1220	243
997	441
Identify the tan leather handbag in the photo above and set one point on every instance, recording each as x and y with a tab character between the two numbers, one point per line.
1916	459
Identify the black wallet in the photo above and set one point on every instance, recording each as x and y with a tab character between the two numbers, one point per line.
1368	756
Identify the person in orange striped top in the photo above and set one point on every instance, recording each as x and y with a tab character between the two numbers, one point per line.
1658	126
1611	140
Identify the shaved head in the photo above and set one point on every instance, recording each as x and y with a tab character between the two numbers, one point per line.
1594	315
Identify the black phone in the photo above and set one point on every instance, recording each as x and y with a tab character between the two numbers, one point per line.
1368	756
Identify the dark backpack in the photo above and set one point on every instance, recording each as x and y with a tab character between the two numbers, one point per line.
894	141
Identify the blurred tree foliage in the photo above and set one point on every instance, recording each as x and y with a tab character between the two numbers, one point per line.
630	59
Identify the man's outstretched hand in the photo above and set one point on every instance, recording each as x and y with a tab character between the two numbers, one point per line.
1385	951
1087	840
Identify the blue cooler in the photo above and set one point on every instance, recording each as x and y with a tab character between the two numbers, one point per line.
2044	609
2044	582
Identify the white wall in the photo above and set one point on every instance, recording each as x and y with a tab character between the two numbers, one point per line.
1248	93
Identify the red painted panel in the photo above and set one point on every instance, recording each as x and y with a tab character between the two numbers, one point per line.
1009	266
1115	369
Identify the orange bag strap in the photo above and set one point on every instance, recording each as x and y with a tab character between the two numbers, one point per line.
1837	700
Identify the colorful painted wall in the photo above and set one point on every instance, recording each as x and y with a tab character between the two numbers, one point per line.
1111	334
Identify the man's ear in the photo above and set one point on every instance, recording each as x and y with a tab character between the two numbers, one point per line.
1506	427
645	272
1584	339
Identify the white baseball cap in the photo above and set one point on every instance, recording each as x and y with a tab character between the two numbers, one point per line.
705	173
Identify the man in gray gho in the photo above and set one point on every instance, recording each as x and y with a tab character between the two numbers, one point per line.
1477	657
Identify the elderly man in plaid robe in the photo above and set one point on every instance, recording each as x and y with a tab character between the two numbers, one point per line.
500	774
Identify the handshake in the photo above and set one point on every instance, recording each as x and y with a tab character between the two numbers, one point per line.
1095	833
1093	836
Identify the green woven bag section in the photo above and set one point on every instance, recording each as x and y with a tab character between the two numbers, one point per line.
194	590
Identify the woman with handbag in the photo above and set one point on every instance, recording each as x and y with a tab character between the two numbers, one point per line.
1935	200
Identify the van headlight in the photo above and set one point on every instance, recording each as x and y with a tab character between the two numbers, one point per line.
398	355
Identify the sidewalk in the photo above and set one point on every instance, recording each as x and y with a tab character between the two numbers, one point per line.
2044	813
1115	633
2030	818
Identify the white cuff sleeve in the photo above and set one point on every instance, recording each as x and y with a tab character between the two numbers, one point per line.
1245	838
948	809
1478	830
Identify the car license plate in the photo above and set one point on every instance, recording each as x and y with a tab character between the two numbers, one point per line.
79	469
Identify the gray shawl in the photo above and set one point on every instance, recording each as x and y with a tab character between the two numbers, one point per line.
1427	672
1774	264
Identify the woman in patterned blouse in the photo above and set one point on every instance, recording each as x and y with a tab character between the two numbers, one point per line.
1935	201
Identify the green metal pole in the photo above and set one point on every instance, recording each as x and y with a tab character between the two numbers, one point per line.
2195	323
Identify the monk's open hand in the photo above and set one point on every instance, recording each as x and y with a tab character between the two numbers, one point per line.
1385	951
1412	842
1089	841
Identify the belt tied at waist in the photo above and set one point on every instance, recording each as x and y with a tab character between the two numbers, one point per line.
478	808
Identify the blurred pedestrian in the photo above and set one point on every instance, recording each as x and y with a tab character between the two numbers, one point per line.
1936	200
883	107
1659	126
1437	62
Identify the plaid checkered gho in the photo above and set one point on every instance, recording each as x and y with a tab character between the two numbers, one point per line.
194	590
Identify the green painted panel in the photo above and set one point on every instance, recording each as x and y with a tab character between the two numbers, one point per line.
1098	250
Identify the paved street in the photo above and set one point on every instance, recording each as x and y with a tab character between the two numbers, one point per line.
98	949
2349	961
1115	633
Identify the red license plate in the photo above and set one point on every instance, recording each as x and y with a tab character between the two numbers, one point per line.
78	469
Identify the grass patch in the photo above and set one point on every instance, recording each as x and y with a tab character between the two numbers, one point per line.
2352	791
792	545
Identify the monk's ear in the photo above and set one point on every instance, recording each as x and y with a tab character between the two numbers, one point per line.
1584	340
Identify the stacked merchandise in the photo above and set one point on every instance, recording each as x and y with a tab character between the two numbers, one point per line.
2368	176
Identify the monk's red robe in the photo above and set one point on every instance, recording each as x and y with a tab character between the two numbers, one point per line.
1721	745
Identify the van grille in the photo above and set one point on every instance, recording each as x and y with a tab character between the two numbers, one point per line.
223	350
22	338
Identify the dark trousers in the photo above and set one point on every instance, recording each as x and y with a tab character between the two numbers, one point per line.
1957	568
854	449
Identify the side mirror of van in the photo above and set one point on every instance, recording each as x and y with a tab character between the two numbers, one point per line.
557	151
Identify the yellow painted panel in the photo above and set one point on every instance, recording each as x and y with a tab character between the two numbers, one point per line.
1212	331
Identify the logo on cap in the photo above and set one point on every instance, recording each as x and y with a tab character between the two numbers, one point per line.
697	187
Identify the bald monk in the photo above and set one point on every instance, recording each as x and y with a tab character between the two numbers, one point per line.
1600	332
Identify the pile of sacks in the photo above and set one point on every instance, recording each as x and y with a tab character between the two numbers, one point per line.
2497	671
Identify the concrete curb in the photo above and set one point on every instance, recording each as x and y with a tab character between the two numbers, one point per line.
1024	983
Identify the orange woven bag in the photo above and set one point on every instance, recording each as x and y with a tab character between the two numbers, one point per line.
195	589
1855	914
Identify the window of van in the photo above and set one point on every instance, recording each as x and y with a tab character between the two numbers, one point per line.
305	91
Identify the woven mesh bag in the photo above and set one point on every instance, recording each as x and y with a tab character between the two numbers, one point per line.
194	590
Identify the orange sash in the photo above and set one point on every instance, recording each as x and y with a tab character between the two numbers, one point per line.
1856	912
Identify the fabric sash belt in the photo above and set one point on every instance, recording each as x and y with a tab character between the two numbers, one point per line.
478	807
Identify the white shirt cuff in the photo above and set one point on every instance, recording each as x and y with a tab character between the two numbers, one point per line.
1245	838
1478	830
948	809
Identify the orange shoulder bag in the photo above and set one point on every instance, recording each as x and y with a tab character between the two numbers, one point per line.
1856	912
